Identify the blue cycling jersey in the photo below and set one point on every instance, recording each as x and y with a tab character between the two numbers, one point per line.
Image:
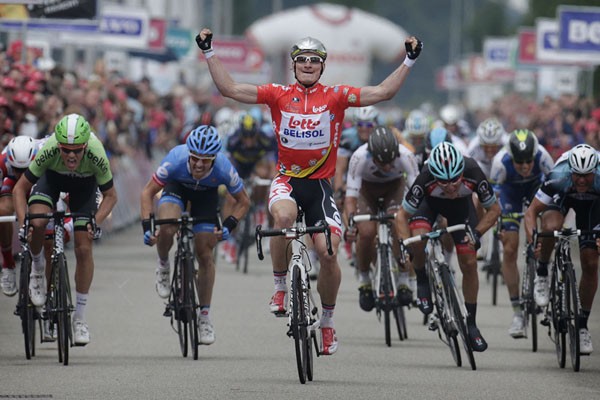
350	142
175	168
559	185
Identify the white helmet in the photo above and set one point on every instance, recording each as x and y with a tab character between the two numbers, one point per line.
367	114
583	159
450	114
491	131
417	123
20	151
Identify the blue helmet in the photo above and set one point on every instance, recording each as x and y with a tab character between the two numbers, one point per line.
435	137
445	162
204	140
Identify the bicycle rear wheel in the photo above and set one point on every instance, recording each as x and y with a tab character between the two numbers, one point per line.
191	305
63	308
558	325
245	240
177	301
26	310
529	306
495	268
572	318
456	308
298	321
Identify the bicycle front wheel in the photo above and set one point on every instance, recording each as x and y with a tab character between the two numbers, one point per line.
529	306
298	321
245	240
571	308
63	308
558	322
456	308
176	301
446	328
191	305
26	309
386	294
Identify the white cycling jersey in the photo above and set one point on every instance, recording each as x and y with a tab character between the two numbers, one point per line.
362	167
476	152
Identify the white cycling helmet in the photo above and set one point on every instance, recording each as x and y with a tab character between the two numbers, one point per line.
366	114
491	132
20	151
450	114
417	123
583	159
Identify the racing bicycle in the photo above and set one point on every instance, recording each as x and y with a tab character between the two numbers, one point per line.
385	274
303	314
183	302
450	315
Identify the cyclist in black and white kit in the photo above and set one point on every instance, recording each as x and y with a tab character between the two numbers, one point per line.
445	187
380	168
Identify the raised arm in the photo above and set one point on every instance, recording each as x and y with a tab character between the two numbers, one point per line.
389	87
242	92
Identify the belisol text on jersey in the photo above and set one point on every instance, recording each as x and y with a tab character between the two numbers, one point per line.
303	134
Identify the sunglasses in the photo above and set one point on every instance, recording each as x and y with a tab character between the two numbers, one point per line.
67	150
311	59
446	182
197	158
364	124
523	161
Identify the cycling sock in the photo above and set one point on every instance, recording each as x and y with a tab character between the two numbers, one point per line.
327	316
583	318
80	303
9	261
471	312
403	278
203	312
39	262
364	278
164	264
515	302
279	279
542	268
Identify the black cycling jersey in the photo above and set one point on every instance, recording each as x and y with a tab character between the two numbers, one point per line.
244	158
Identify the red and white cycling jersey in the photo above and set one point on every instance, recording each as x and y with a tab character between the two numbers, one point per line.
308	125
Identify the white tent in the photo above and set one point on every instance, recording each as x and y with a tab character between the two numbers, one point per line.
352	37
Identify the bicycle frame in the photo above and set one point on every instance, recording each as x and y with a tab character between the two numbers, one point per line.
183	300
59	306
446	297
303	319
384	278
564	307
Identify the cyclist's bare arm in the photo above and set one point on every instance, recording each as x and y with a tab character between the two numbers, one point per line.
490	218
147	198
241	204
109	199
402	227
341	165
530	218
389	87
242	92
20	191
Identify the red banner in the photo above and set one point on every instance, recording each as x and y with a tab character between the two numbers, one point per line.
527	46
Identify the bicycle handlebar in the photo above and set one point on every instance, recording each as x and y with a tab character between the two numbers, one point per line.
8	218
434	234
184	219
292	233
568	233
372	217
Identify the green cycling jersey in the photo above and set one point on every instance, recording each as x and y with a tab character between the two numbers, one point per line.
94	162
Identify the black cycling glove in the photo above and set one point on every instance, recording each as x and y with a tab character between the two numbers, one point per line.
204	45
410	53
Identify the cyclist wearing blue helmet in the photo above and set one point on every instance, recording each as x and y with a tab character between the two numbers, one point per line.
190	175
445	187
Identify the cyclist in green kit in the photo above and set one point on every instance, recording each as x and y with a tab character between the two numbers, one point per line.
73	161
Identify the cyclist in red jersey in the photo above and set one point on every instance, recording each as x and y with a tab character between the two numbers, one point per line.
307	120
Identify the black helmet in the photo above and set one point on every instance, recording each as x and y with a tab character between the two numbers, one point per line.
383	145
249	126
522	145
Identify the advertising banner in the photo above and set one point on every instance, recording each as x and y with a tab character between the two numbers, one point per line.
580	29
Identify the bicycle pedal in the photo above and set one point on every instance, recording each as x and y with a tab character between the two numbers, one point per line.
167	312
